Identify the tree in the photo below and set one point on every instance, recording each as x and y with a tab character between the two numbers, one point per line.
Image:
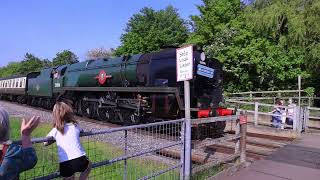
30	63
150	30
291	25
100	53
64	57
11	69
254	58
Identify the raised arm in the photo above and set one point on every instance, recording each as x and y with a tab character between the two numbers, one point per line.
26	129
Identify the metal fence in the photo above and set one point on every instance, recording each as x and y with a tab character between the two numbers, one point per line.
151	151
133	152
261	114
208	137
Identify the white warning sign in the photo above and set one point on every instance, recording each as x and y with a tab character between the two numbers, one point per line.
185	63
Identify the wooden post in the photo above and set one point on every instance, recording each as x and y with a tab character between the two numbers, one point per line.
256	110
307	118
243	139
237	146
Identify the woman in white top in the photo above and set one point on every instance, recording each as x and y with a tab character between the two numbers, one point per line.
66	132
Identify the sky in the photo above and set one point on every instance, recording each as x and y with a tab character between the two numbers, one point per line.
44	27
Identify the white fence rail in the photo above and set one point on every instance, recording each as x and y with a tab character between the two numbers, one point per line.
261	114
304	117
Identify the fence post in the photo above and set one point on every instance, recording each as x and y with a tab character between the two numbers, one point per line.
256	110
243	139
295	118
125	152
307	114
237	133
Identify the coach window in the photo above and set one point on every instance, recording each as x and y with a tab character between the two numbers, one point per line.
17	83
24	83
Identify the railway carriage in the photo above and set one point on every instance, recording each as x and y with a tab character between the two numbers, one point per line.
131	89
13	88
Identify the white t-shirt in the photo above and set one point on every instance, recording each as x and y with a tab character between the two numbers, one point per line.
69	145
291	109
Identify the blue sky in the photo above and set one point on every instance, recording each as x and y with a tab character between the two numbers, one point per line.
47	27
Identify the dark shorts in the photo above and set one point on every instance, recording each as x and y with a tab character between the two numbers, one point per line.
68	168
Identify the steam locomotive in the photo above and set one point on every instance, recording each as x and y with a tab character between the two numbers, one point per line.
128	90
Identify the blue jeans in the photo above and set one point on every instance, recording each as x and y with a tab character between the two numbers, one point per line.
276	120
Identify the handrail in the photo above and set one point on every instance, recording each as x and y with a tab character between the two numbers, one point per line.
267	92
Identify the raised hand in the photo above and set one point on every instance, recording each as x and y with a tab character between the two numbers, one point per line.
28	126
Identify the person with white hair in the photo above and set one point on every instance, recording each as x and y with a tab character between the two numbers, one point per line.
15	158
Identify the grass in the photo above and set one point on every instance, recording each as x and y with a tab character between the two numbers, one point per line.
207	173
96	151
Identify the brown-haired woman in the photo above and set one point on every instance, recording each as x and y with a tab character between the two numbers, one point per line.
66	132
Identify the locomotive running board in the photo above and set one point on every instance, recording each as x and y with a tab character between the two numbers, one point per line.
129	89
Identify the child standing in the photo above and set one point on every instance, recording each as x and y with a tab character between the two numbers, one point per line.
66	132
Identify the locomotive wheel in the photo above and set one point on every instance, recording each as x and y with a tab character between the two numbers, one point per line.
86	109
129	117
105	114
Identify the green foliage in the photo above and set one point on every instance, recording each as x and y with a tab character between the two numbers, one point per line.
64	57
310	91
149	30
264	46
31	63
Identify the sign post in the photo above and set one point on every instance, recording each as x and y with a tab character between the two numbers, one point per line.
185	73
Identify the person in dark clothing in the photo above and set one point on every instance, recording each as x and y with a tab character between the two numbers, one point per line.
15	158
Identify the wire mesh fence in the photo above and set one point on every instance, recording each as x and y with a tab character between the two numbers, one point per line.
150	151
133	152
212	146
